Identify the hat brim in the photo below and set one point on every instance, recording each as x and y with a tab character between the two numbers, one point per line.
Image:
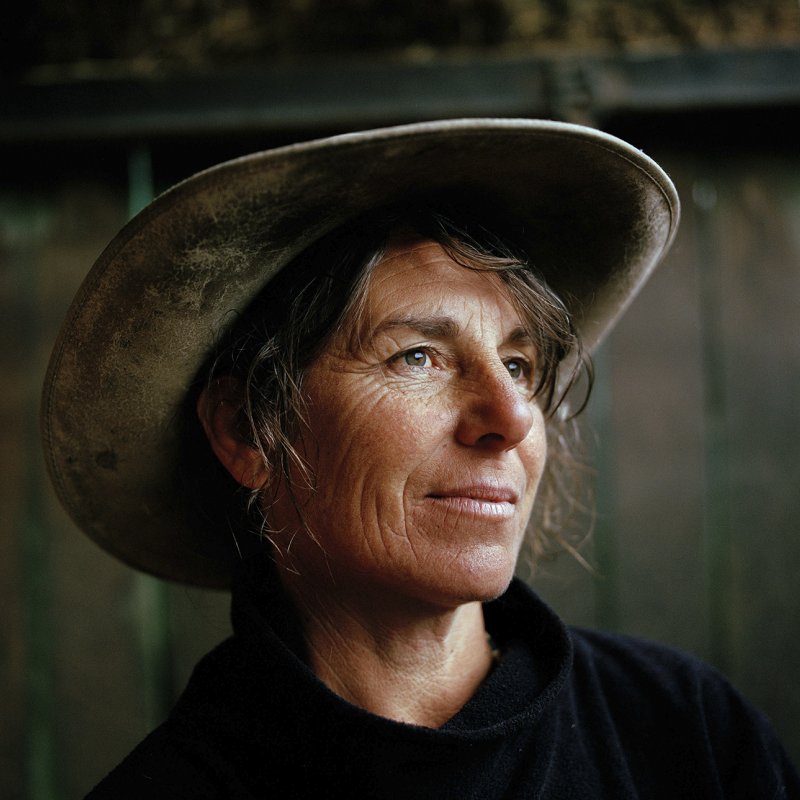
601	215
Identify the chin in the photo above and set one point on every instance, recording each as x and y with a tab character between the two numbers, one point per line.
479	577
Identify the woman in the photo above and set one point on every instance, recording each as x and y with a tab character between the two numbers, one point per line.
333	372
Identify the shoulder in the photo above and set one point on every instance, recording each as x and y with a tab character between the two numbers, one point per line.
641	664
185	756
157	768
658	699
656	679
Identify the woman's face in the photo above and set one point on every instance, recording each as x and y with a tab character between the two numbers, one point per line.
426	445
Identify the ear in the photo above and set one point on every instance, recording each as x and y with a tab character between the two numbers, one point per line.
219	410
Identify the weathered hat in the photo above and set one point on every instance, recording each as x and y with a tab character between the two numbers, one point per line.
600	214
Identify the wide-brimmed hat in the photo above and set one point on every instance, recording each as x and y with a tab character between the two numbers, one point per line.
600	213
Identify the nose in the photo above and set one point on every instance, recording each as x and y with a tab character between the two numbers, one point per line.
493	413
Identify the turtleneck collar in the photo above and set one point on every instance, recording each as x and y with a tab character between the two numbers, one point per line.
258	707
536	658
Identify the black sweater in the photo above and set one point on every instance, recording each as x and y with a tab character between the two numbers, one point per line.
565	714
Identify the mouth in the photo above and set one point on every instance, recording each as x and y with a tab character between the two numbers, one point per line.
478	499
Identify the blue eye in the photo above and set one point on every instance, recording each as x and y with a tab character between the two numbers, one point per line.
416	358
514	368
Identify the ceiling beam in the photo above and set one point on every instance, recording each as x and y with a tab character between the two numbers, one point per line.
352	94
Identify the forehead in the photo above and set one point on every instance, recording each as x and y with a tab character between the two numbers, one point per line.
420	274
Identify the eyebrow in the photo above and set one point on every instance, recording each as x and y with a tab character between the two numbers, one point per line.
434	327
521	335
443	328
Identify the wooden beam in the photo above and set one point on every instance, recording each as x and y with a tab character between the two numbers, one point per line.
338	95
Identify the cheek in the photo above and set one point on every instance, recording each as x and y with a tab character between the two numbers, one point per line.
363	452
533	452
374	425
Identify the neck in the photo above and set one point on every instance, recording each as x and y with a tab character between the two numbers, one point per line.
418	665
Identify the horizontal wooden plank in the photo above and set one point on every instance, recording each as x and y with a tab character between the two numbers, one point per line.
359	93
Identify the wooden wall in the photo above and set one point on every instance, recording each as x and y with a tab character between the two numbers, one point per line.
696	412
698	419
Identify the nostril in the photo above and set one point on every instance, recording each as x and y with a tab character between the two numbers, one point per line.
497	443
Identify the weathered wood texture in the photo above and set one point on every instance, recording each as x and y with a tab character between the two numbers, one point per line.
162	37
697	411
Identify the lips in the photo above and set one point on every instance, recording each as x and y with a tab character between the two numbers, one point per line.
483	492
485	500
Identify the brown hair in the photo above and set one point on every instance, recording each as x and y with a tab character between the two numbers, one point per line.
323	291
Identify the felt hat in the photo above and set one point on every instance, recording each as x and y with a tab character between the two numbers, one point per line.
601	215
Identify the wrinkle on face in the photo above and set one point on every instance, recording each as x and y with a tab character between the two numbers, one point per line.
383	437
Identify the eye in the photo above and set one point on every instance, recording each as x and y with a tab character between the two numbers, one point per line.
519	369
516	368
416	358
